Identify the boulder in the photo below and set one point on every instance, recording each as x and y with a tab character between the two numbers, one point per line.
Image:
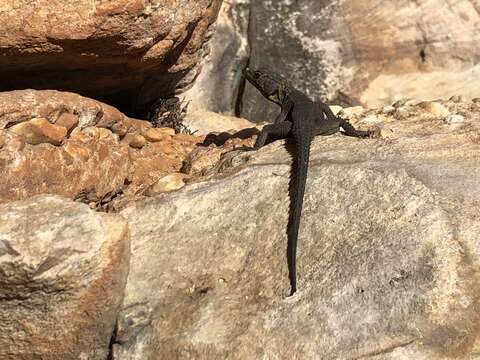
63	269
127	51
388	262
218	87
65	144
367	52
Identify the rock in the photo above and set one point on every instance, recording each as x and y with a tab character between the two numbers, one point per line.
63	270
93	160
388	253
218	86
38	131
128	51
455	119
158	134
456	98
68	121
201	160
205	122
204	160
167	183
434	108
137	141
366	52
93	132
153	162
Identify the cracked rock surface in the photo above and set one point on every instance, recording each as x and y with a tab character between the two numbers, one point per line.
388	251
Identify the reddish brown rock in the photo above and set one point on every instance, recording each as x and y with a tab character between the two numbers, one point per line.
68	121
102	156
102	47
78	169
38	131
158	159
158	134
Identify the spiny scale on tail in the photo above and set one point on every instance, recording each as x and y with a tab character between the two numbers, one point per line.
297	186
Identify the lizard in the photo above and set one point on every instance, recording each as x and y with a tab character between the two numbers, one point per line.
300	119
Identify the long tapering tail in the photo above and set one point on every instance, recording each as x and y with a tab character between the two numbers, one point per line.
297	190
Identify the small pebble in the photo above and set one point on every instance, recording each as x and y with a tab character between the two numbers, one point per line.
388	109
138	141
456	98
455	119
167	183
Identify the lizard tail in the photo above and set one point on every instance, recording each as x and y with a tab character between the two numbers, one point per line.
297	191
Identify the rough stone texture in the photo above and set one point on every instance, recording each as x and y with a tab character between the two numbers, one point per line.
388	259
63	270
132	49
219	84
372	52
103	154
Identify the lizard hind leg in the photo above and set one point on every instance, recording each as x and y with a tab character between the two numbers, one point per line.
273	131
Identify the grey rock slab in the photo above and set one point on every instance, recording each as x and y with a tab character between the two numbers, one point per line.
62	273
388	254
219	82
369	52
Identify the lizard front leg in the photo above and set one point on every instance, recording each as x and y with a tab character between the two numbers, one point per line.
276	131
286	108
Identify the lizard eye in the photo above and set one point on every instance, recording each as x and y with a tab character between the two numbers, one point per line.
274	97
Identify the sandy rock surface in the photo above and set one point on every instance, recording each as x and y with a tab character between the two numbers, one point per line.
63	269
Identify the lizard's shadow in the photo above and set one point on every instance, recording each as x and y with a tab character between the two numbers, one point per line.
220	139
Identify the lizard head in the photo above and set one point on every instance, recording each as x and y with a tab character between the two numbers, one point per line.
273	86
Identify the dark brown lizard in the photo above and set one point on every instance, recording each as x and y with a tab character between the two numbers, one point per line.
300	119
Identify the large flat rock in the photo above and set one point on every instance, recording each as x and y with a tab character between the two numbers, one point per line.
388	250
